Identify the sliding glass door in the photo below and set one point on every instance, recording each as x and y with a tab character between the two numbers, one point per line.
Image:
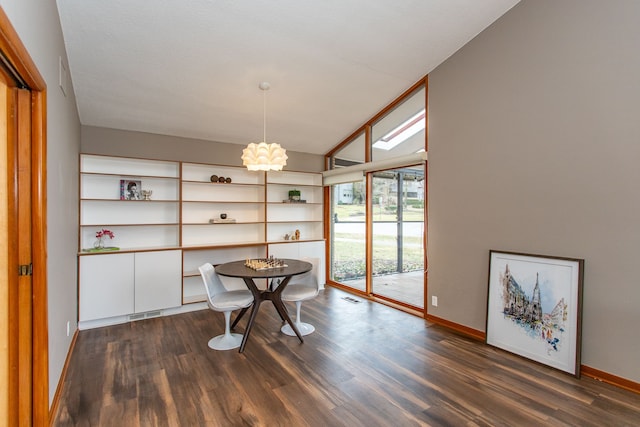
398	202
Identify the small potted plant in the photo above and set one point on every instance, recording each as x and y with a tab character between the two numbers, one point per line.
294	195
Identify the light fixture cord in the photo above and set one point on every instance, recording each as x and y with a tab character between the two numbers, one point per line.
264	115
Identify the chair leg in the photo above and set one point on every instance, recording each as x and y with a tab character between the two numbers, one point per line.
304	328
227	341
227	322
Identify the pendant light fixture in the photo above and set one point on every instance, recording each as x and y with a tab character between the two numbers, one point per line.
263	156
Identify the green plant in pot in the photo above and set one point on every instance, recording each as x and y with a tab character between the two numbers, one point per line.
294	195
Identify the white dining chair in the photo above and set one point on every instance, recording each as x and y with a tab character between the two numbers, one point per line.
221	299
302	288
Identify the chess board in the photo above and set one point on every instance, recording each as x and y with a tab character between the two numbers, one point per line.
265	264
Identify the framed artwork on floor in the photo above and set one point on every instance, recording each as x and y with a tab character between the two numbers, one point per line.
534	307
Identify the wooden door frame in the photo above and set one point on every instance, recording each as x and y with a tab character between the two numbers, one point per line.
19	60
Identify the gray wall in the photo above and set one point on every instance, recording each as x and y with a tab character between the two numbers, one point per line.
37	24
534	147
98	140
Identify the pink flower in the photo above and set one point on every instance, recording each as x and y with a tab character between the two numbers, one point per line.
104	232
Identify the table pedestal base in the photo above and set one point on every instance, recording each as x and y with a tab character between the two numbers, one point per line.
274	297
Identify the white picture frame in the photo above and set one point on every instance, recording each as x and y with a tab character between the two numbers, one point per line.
534	307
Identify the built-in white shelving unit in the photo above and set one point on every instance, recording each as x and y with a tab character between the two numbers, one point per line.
163	241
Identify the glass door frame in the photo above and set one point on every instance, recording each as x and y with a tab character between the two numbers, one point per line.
370	291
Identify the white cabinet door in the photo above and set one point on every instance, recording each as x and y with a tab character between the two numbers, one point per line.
158	279
106	285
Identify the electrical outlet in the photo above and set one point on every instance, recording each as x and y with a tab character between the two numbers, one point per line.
68	327
434	300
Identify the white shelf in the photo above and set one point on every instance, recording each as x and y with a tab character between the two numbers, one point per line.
134	237
279	193
128	166
285	212
195	172
200	192
107	187
128	212
308	231
202	212
221	234
292	177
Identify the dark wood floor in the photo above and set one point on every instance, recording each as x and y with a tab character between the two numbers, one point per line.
366	365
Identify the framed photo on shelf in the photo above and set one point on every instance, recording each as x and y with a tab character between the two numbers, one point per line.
534	308
130	189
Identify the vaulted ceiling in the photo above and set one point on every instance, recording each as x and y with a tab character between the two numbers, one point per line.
192	68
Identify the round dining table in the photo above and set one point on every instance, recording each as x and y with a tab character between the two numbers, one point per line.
290	268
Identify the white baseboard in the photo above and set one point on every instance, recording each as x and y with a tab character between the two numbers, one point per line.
98	323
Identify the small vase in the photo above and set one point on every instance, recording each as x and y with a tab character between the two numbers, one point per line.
99	243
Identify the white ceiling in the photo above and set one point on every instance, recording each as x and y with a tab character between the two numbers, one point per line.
191	68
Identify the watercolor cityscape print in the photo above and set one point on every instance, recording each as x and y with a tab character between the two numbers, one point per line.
527	310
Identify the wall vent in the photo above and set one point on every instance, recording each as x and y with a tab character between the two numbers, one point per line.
147	315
